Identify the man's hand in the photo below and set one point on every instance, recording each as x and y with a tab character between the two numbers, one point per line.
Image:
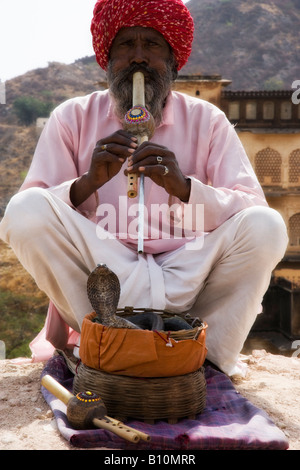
108	157
160	164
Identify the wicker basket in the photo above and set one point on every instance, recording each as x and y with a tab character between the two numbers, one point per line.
147	396
164	398
195	324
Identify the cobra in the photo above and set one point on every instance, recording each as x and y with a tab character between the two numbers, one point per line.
103	290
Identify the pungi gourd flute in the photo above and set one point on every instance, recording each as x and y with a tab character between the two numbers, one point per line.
139	122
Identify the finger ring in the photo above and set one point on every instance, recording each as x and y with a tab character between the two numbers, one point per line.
166	171
159	160
104	147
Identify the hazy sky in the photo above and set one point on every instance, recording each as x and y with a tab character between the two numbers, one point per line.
35	32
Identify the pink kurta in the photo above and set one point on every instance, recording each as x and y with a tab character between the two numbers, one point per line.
206	147
204	142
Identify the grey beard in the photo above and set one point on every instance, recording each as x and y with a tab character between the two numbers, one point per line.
157	88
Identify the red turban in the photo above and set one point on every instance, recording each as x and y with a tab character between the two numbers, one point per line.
169	17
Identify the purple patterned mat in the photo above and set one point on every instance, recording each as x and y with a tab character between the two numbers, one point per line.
228	422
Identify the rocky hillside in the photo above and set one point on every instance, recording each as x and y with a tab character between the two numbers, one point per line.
53	84
255	43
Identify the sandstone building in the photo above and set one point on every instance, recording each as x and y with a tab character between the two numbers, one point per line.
268	125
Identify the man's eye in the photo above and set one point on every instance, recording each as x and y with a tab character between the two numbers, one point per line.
128	43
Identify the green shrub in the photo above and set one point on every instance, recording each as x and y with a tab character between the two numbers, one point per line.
28	109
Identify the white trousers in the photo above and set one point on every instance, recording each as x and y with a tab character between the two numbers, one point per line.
221	282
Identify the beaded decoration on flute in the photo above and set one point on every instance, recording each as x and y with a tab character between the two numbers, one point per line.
137	114
139	122
88	397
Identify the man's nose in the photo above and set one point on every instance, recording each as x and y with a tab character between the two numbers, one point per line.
139	55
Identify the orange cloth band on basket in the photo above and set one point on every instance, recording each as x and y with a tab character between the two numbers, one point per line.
139	353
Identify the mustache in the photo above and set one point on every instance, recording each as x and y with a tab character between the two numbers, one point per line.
150	74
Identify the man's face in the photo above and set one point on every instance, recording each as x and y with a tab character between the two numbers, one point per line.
146	50
139	45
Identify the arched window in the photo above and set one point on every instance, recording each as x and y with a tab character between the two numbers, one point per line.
268	166
294	167
294	230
